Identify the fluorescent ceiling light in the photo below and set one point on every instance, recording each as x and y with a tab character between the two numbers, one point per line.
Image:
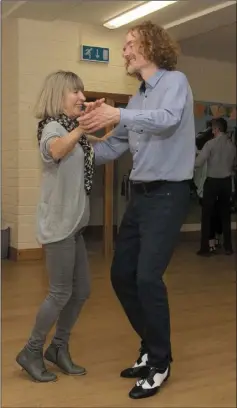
138	12
199	14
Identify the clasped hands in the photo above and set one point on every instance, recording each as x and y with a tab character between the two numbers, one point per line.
97	115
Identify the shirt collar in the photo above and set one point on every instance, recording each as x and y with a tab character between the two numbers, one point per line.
221	134
152	81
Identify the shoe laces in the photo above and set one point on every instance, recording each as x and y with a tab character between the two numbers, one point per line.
149	378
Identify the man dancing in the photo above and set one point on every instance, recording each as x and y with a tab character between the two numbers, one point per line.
158	128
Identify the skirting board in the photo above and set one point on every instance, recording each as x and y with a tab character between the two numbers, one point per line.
30	254
197	227
188	232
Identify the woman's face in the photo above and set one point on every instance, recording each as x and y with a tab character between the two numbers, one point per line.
73	102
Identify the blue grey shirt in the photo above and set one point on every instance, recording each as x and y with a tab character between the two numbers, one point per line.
158	128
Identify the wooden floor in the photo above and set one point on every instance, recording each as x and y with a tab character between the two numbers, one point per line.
203	307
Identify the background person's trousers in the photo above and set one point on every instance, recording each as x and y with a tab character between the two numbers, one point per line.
213	188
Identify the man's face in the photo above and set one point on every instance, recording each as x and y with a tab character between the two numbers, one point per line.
134	60
215	130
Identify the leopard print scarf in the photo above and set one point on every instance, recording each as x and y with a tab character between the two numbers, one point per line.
69	125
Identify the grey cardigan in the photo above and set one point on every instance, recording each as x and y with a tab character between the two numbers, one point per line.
63	206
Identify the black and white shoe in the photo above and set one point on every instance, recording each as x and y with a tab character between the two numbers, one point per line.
149	386
139	369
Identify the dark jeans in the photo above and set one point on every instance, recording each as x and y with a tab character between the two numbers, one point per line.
213	189
147	237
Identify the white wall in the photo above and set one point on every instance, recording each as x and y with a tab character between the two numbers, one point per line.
33	49
10	118
210	80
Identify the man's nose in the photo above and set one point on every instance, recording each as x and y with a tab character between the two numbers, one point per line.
125	53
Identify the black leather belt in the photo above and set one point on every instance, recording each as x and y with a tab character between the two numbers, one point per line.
147	187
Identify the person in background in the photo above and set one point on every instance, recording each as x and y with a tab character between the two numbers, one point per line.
216	230
200	175
215	236
63	213
219	155
204	136
158	128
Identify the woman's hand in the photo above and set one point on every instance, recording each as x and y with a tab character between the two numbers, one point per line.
89	106
100	117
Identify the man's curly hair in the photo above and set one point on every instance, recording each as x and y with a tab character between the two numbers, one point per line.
157	45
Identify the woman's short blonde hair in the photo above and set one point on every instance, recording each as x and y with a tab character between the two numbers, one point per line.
50	100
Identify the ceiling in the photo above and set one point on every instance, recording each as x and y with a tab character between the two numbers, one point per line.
219	43
202	29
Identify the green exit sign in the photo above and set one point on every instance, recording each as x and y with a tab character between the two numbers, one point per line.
94	54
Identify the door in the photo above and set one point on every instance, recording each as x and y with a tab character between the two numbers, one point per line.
99	234
122	168
105	191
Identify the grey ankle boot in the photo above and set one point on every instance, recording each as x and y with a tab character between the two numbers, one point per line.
32	362
60	356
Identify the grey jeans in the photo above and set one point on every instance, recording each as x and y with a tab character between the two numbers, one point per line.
69	287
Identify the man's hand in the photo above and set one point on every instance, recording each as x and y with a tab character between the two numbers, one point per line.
99	117
89	106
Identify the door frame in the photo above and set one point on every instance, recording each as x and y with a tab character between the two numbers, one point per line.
108	235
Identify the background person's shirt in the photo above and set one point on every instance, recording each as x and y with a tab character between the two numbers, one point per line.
219	154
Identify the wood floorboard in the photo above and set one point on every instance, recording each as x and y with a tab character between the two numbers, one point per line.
202	294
